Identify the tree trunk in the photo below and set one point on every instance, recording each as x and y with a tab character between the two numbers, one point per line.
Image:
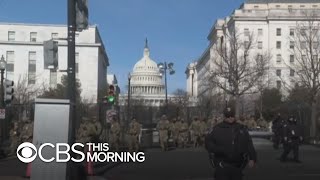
313	124
237	106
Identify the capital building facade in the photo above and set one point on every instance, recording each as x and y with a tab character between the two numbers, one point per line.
146	85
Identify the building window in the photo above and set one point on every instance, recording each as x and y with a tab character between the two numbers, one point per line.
77	35
291	58
260	32
246	32
279	58
315	57
315	6
32	67
303	45
278	44
54	35
302	6
33	37
246	44
315	45
256	7
303	32
259	45
278	31
291	32
11	36
10	65
291	72
304	58
291	44
279	84
259	57
278	72
77	62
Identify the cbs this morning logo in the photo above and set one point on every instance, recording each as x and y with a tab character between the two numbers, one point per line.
27	153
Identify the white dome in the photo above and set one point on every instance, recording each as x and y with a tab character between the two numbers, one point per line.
146	64
146	77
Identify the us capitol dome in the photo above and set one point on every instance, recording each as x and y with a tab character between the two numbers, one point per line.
146	86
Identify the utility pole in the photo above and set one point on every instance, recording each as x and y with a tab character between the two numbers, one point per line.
71	65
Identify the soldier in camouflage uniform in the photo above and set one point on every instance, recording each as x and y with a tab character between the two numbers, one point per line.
83	131
203	131
14	138
195	131
212	122
175	130
27	131
183	134
134	131
163	128
95	130
263	124
115	131
252	123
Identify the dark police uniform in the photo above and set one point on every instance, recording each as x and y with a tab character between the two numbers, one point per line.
231	147
277	127
292	139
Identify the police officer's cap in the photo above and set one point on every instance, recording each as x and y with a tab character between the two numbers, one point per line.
228	113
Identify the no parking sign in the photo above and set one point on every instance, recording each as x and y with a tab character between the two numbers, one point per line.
2	113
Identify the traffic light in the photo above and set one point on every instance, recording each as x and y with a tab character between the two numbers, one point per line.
9	90
111	95
50	52
82	14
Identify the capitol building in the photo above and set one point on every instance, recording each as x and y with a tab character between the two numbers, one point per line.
146	85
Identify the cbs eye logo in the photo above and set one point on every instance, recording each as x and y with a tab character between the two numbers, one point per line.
24	152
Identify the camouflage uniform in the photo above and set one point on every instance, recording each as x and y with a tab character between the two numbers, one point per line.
95	130
252	123
115	134
134	131
27	132
163	128
196	131
175	131
211	123
183	134
83	132
14	138
203	131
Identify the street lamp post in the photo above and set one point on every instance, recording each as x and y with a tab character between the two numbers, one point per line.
163	67
129	94
3	65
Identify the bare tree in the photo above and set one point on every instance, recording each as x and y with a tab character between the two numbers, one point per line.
305	47
237	66
24	95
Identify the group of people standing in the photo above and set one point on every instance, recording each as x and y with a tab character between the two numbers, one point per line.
290	134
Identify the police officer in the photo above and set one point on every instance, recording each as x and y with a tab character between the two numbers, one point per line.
232	148
292	139
276	129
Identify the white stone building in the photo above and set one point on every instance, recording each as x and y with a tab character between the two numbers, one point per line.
22	47
272	23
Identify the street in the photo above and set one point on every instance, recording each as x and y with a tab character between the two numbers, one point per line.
193	164
187	164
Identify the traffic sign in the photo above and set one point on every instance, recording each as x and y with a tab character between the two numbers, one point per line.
110	114
2	113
